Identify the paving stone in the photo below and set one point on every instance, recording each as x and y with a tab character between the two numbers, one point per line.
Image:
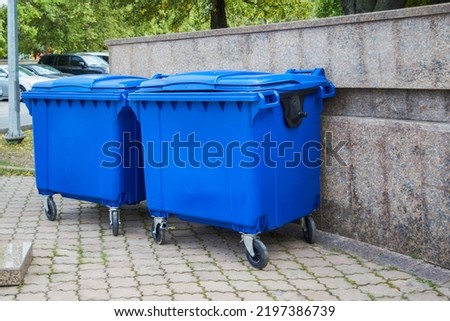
309	262
124	293
176	268
153	290
159	279
63	277
219	296
308	285
187	287
122	282
444	291
394	275
352	269
96	284
119	272
246	285
36	279
201	266
31	297
62	295
219	286
268	275
9	290
380	290
7	297
33	288
187	297
410	285
349	294
65	286
295	274
64	268
276	285
238	275
93	295
185	277
318	295
425	296
210	276
336	283
324	272
92	274
287	296
364	279
255	296
285	264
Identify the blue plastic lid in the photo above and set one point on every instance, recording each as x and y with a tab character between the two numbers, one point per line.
90	82
236	80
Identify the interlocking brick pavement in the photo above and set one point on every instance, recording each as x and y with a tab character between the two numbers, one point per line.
78	258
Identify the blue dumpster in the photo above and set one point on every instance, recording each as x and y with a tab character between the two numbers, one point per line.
233	149
77	122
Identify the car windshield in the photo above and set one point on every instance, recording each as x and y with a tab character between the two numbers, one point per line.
44	69
23	72
94	61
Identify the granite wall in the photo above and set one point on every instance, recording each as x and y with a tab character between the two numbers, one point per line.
386	178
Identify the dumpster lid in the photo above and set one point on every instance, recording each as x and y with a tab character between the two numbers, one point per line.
90	82
236	80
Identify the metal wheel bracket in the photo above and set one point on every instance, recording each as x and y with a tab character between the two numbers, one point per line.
113	210
248	242
45	199
303	223
161	221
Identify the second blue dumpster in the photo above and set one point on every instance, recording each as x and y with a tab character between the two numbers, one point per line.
233	149
79	127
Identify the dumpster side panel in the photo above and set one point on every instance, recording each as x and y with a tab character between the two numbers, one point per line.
69	134
252	184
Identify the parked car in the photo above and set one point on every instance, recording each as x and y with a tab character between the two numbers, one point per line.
26	80
76	64
45	71
103	55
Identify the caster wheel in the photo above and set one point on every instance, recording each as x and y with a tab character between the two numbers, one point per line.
50	210
115	222
309	230
261	257
158	233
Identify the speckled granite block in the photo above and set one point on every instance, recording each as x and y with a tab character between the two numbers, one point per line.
422	105
372	50
15	258
395	190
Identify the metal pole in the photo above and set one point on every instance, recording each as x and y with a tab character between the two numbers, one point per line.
14	133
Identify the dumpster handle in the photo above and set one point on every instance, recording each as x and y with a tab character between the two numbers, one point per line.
311	72
269	99
328	91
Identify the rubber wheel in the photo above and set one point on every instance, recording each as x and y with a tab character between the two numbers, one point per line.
52	212
309	231
261	257
115	223
159	234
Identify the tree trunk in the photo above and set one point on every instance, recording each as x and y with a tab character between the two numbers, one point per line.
361	6
389	5
218	14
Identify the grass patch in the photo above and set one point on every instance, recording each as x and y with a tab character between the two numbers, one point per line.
17	158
